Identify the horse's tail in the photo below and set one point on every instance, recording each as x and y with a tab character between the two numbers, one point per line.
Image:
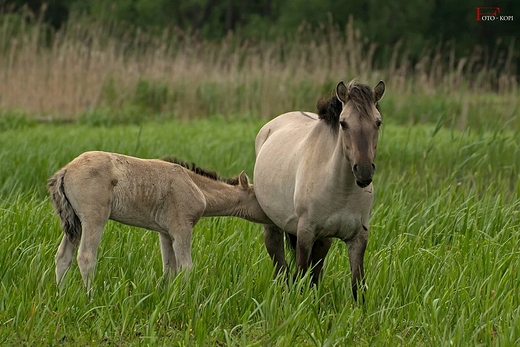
70	222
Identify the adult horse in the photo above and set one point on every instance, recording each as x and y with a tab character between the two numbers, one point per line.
167	197
313	178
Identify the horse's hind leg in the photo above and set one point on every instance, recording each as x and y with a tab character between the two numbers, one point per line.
273	239
319	252
88	247
64	257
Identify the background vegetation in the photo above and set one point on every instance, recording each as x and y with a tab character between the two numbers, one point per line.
100	73
419	23
197	80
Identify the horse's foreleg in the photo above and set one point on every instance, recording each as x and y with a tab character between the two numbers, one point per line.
273	239
356	252
64	257
304	244
168	255
88	247
318	254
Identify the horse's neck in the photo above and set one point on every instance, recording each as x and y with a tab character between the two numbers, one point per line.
222	199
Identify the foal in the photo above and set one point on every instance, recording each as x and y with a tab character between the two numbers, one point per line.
154	194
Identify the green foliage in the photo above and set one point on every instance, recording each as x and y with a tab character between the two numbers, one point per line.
117	107
112	116
417	23
151	96
14	120
442	261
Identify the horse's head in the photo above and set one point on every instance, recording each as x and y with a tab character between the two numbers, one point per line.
360	121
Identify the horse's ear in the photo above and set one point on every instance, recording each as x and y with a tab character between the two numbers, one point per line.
379	91
342	92
243	180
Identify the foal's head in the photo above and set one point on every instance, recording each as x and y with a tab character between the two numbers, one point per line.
248	204
355	111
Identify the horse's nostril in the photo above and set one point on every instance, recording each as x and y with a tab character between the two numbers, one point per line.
373	167
355	168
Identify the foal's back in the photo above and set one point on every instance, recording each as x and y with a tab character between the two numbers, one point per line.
130	190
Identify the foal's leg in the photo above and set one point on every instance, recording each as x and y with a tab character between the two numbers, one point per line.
64	257
356	252
319	252
168	255
273	239
88	247
181	236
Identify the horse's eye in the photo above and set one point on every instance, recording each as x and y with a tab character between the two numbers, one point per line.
343	124
379	122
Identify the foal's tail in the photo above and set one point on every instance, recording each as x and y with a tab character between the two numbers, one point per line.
70	222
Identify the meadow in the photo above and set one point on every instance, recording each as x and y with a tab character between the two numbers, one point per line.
443	259
442	263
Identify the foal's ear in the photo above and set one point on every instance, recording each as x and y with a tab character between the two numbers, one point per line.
379	91
243	180
342	92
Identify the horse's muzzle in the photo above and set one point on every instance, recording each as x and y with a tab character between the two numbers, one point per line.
363	184
363	174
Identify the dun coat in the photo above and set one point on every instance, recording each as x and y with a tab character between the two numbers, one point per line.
313	178
154	194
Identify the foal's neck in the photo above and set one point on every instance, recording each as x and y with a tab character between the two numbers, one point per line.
222	199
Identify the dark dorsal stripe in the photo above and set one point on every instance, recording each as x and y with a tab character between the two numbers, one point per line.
200	171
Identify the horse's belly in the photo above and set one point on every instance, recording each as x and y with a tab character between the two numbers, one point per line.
286	220
131	206
136	218
274	189
276	199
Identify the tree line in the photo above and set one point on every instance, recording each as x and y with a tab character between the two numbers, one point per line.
415	23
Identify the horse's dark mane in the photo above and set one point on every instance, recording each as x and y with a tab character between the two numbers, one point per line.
329	109
202	172
361	96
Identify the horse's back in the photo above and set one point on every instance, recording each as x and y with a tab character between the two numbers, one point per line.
291	126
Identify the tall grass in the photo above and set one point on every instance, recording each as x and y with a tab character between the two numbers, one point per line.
94	71
442	262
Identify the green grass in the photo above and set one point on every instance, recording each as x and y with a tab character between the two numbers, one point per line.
443	261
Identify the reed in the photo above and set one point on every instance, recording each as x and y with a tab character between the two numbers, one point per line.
88	69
